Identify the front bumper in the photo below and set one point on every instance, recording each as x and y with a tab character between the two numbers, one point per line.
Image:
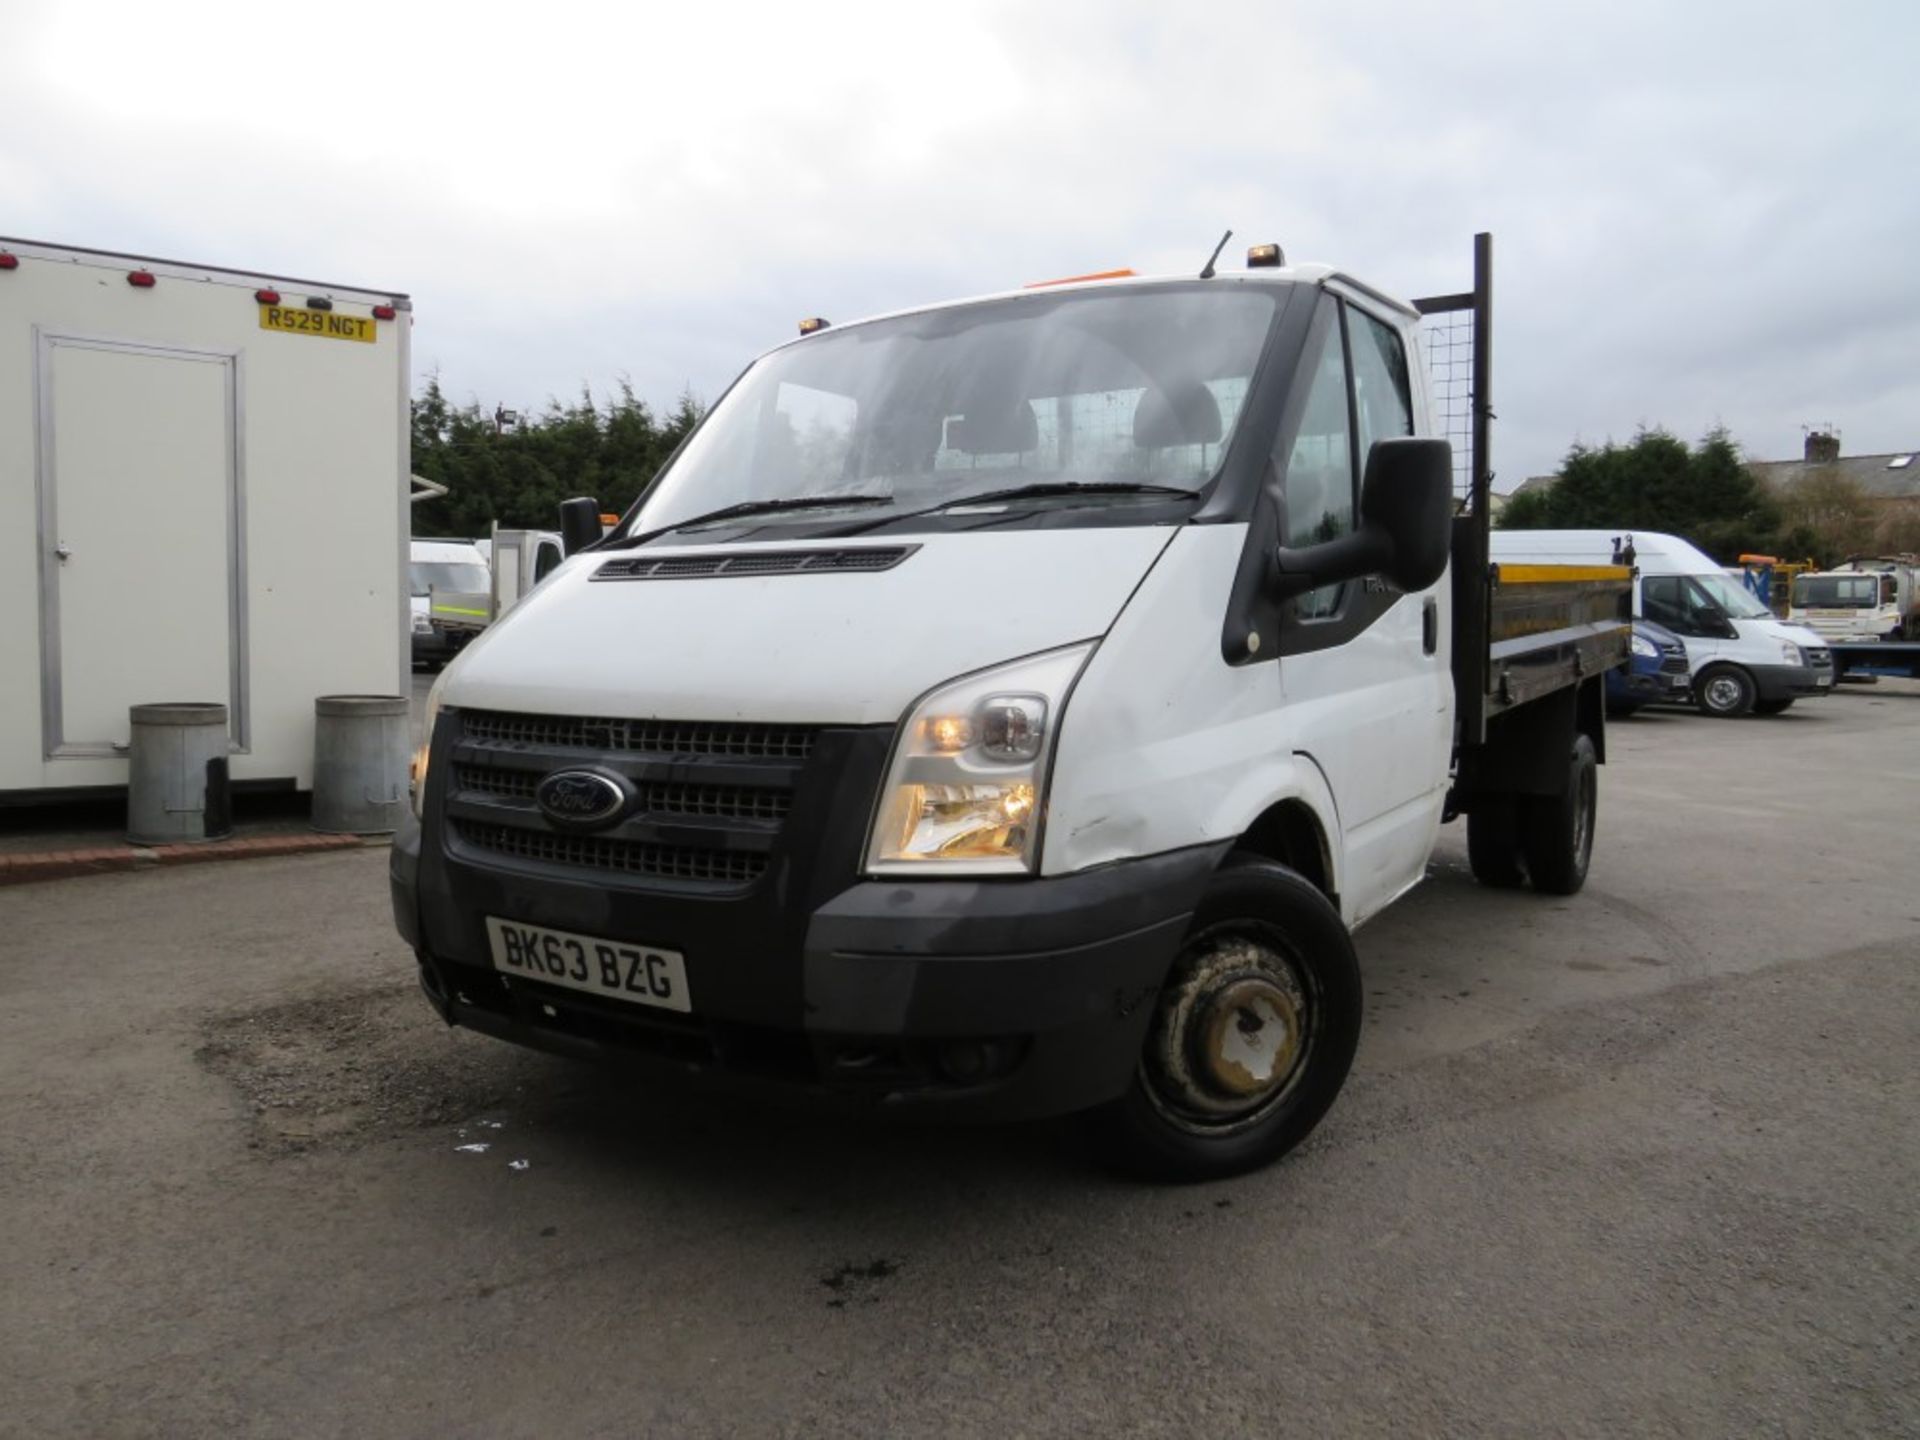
1650	687
979	999
1785	682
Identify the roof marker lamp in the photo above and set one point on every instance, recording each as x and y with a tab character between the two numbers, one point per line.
814	323
1265	257
966	789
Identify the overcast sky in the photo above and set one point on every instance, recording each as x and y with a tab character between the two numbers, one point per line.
1704	213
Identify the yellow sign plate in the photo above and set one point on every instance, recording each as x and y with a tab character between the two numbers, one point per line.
329	323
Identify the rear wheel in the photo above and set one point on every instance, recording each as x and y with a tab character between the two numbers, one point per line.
1556	831
1493	842
1724	691
1252	1037
1772	707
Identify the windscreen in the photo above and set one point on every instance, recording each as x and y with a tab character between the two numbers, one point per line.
1837	592
448	575
1134	385
1732	597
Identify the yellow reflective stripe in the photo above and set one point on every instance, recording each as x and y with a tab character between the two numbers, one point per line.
456	610
1561	574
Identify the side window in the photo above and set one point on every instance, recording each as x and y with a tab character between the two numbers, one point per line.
1380	392
1318	473
545	561
1662	601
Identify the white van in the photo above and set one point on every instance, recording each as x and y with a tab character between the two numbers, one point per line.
1743	659
448	565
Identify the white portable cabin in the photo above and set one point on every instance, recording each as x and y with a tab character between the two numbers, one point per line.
203	497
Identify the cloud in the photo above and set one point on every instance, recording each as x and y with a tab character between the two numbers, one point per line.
1703	213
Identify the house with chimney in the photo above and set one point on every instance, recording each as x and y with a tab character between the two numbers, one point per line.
1890	482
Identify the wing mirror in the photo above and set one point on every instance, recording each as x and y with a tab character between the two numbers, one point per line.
1713	620
1406	499
579	523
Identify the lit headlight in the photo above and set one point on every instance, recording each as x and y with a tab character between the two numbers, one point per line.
1644	647
417	772
1792	653
967	784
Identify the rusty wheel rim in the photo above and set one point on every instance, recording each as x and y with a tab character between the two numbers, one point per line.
1232	1033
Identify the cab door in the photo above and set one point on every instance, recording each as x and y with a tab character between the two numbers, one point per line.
1363	667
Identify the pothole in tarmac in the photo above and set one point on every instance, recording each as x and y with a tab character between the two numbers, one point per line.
349	1067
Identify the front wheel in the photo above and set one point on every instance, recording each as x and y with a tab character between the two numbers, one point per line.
1253	1033
1556	831
1772	707
1724	691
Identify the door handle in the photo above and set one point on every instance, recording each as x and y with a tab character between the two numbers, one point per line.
63	551
1430	626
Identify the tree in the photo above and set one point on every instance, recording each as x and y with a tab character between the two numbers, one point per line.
1656	482
1898	532
1834	511
517	475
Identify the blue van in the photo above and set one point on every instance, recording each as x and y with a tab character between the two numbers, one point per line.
1655	672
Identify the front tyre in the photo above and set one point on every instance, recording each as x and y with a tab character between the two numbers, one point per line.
1724	691
1253	1033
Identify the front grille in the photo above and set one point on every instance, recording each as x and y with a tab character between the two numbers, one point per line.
863	560
1820	659
629	857
1674	665
733	802
651	737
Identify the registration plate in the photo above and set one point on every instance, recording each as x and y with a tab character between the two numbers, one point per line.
641	974
294	320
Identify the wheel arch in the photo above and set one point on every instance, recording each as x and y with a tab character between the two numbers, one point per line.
1290	832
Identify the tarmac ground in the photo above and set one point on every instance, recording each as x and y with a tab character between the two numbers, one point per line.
1644	1161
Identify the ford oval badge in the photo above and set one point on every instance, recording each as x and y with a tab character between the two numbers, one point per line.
581	799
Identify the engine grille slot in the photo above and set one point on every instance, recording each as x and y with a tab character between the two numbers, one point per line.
863	559
650	737
734	802
630	857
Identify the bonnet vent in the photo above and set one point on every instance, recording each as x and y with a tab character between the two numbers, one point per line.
754	562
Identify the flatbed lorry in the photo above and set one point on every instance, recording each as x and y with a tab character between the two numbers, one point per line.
1011	707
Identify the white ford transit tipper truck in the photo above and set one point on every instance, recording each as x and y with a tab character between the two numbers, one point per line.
1744	660
1010	707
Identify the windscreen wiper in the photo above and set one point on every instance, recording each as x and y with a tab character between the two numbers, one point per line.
751	507
1040	490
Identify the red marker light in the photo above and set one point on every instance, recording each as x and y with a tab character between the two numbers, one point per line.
383	312
267	297
140	279
9	262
